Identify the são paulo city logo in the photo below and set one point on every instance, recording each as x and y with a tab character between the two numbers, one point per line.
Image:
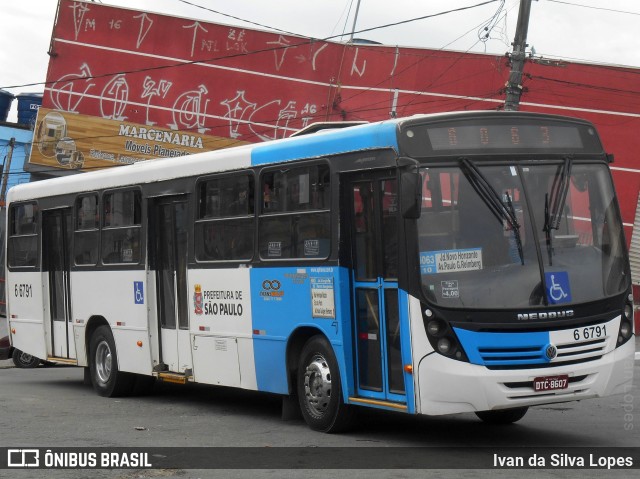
217	302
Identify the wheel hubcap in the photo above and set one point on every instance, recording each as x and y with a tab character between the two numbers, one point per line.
26	357
317	385
103	362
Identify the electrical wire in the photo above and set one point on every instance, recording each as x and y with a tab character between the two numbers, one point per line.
425	57
412	102
585	85
484	32
308	41
247	137
217	12
594	8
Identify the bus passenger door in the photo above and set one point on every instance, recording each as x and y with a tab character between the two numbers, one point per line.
170	216
374	238
56	254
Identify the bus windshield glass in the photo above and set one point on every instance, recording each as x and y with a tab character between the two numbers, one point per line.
520	235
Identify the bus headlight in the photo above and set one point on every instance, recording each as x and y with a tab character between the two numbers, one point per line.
626	323
625	333
434	327
441	337
444	346
625	330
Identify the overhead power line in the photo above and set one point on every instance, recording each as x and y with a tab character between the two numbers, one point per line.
594	8
455	56
586	85
401	22
217	12
271	49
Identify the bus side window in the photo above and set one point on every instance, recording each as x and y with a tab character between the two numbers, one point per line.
87	234
225	233
312	236
320	191
302	229
272	187
122	225
275	237
23	235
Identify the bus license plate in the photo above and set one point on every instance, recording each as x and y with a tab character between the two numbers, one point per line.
551	383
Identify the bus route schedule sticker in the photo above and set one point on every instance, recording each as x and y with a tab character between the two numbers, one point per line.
450	261
322	298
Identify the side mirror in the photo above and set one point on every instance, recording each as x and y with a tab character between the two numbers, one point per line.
411	195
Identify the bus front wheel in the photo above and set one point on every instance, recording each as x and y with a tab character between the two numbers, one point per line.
503	416
319	388
106	379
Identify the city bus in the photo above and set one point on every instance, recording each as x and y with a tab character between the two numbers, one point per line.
435	264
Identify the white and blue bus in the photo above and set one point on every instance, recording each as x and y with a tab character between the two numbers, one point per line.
437	264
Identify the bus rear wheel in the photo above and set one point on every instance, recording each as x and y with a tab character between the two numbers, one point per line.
319	388
24	360
106	379
503	416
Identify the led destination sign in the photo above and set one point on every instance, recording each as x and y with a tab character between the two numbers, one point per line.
504	136
491	135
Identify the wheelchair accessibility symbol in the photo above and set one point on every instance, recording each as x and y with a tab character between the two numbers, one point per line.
138	292
558	289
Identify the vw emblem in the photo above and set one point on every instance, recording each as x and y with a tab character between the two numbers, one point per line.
551	352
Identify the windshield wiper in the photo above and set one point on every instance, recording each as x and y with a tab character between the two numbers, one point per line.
493	201
554	202
515	226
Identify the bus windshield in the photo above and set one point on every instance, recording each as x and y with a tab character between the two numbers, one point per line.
520	235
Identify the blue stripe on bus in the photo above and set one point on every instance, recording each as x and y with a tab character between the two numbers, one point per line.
282	303
377	135
504	349
405	341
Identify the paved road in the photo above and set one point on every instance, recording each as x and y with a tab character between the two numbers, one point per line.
50	407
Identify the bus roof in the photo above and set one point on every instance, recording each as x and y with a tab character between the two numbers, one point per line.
380	135
324	143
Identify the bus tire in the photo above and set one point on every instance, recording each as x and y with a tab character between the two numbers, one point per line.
503	416
320	390
106	379
24	360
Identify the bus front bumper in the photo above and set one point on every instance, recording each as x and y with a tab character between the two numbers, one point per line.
447	386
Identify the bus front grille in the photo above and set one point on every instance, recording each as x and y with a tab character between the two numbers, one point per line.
509	350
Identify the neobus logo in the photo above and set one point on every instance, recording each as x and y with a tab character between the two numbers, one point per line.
567	313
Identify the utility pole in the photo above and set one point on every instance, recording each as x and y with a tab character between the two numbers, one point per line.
514	85
355	19
5	176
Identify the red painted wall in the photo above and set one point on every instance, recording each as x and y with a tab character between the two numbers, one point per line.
250	85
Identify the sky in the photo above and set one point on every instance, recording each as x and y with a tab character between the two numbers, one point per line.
600	31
